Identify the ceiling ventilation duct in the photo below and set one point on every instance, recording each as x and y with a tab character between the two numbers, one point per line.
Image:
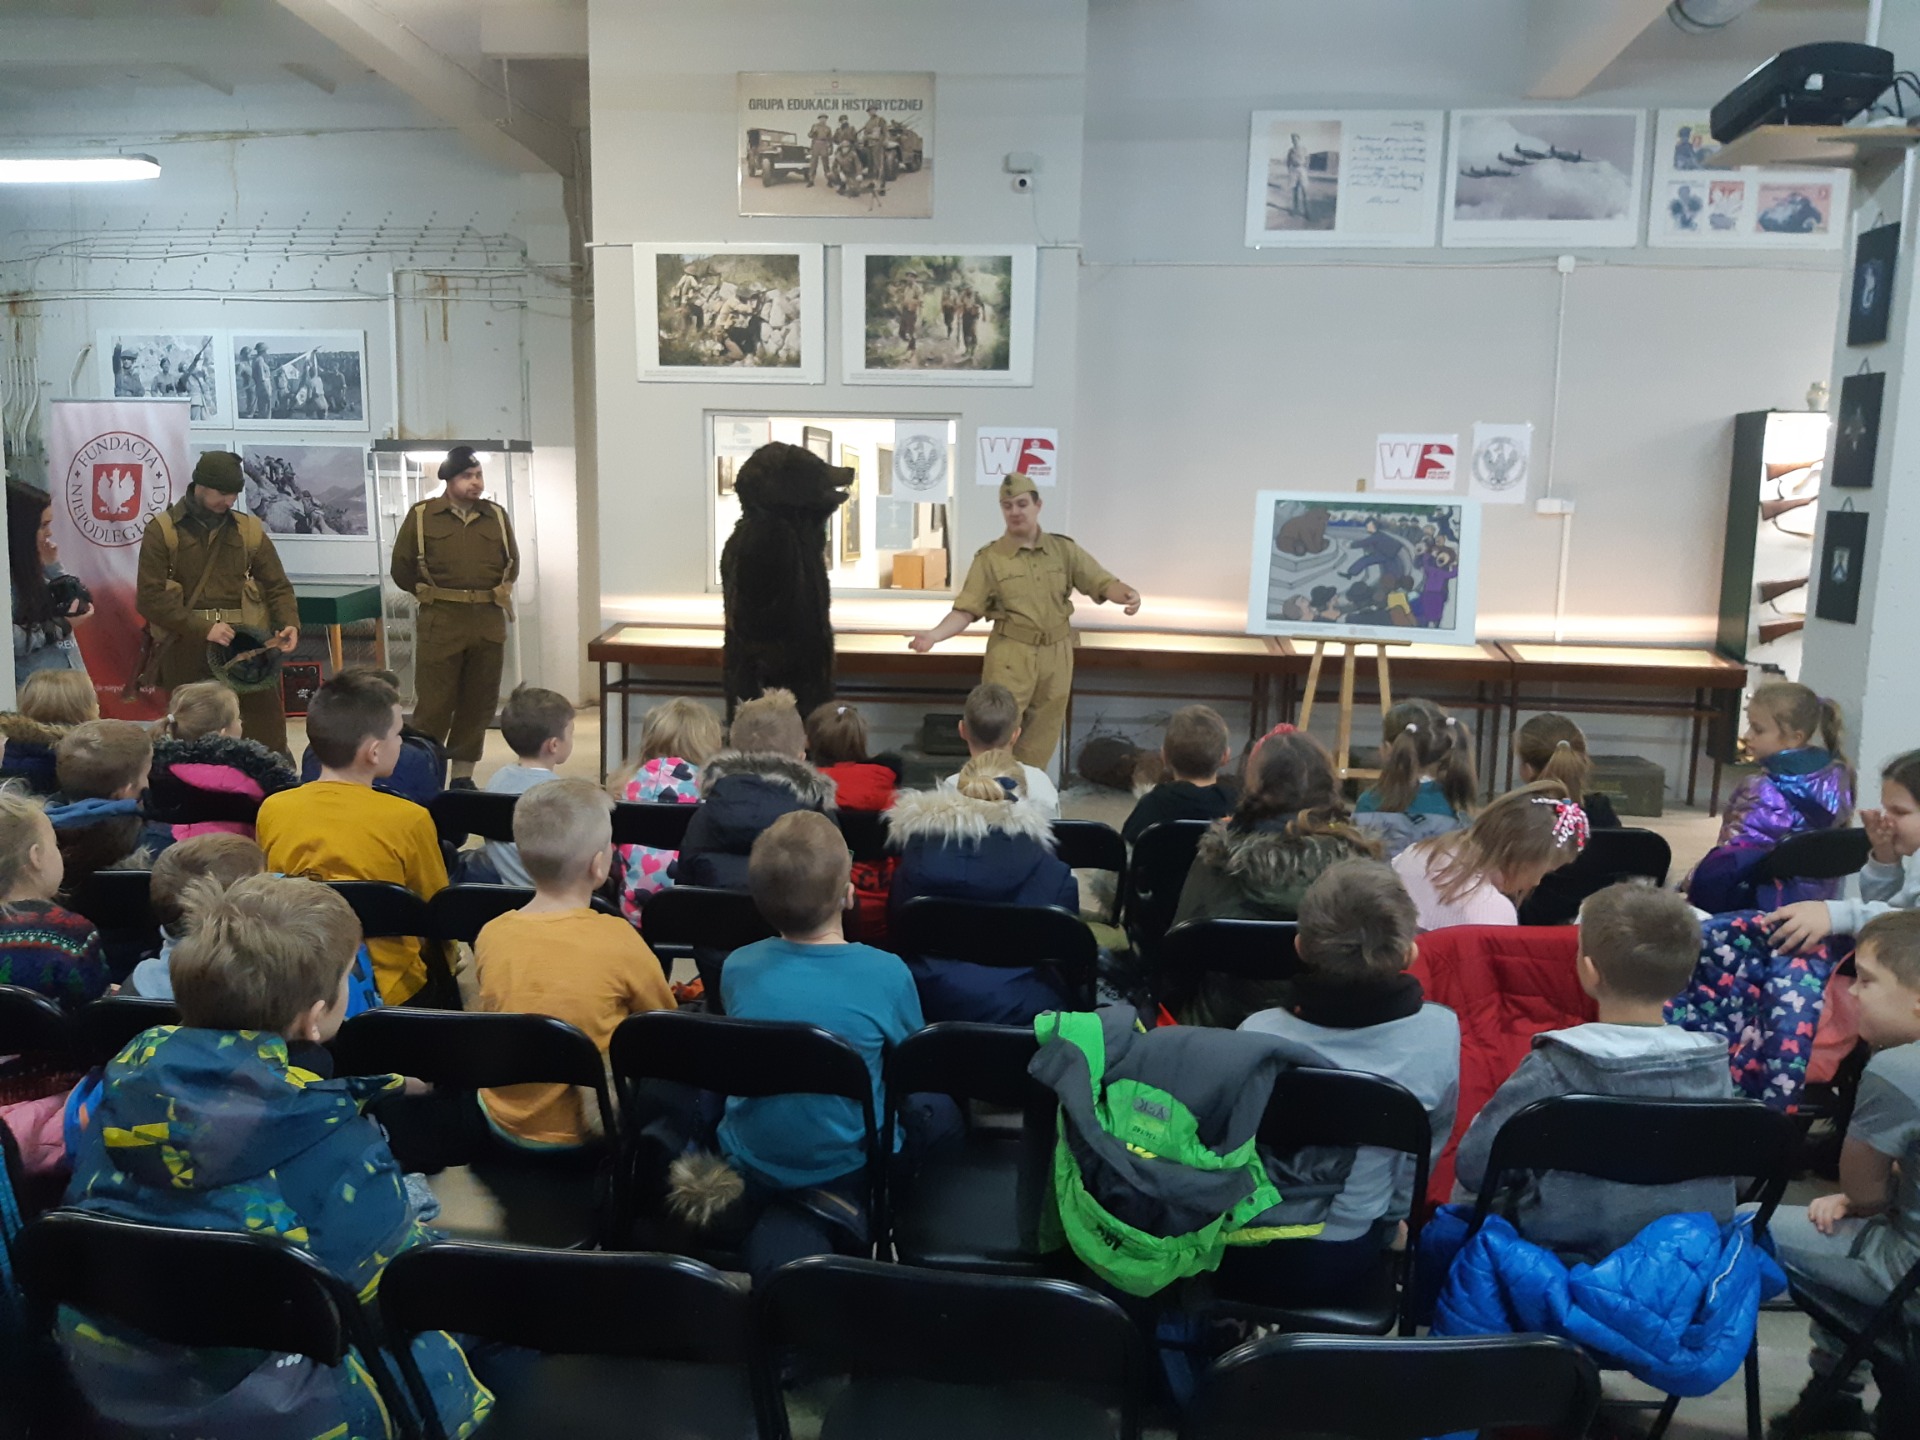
1698	17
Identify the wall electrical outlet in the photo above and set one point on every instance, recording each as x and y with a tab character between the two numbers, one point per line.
1552	505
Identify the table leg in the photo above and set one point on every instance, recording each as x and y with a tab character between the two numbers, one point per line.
336	649
1693	747
1513	727
380	644
606	722
1313	683
626	712
1713	796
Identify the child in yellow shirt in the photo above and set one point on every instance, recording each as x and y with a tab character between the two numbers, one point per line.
558	956
340	828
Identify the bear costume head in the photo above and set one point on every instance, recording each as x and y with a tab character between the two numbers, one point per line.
791	481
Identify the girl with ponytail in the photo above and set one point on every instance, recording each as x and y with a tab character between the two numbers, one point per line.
1426	785
1552	747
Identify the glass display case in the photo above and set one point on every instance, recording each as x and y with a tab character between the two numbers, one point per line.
884	539
406	472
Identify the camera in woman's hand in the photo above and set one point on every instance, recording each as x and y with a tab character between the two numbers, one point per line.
70	597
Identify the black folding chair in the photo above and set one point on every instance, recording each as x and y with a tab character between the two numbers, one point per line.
458	814
1089	845
657	825
1820	855
552	1200
1650	1142
1610	857
977	1205
1007	936
461	912
644	1347
104	1028
1314	1107
171	801
1888	1339
939	1355
1305	1387
746	1059
686	919
389	912
119	904
31	1024
248	1292
865	832
1156	874
1260	951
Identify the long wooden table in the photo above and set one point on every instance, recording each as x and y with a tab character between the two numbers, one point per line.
1265	672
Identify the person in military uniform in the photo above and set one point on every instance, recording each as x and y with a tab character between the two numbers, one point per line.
906	300
1024	583
206	570
820	142
456	555
844	133
873	139
845	172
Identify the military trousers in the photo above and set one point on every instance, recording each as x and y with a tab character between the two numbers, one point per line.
460	652
1041	679
262	717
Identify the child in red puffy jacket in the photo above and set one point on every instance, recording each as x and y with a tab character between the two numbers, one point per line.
837	743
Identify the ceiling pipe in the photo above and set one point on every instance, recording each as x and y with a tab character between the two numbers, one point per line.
1700	17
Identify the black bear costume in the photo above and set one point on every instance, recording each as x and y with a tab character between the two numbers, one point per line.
773	576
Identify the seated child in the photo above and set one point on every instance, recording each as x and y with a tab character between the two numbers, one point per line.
979	839
341	828
253	1144
1426	786
42	947
200	748
538	727
1638	946
103	767
1552	747
558	956
1891	879
1355	1007
1476	876
791	1161
677	737
837	744
991	721
221	858
1801	788
1194	749
51	703
418	775
1849	1250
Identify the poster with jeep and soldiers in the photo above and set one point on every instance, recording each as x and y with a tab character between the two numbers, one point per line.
846	145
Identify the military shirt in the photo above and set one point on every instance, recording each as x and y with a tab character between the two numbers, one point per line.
1027	591
463	552
207	541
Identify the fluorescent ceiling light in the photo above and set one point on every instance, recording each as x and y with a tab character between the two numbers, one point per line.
75	169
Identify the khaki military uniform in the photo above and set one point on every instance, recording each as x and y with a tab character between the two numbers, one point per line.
209	565
464	586
1027	591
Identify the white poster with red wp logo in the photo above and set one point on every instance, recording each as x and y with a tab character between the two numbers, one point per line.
113	466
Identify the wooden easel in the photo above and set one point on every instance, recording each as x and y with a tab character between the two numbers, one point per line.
1343	744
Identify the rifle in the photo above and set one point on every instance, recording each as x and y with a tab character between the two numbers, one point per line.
1774	509
1778	629
1774	589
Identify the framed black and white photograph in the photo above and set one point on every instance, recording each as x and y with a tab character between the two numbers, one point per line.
307	490
1531	177
1856	435
1871	306
843	144
1344	177
300	379
960	316
186	366
1843	559
731	312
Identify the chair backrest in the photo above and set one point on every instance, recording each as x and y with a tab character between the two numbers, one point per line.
32	1024
1645	1142
1611	856
1819	855
118	902
1089	845
659	825
460	813
1255	949
1009	936
171	801
569	1302
865	832
684	916
748	1058
1366	1389
385	910
966	1060
869	1319
1156	874
461	912
104	1028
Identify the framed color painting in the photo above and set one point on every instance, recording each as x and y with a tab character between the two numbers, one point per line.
962	315
734	313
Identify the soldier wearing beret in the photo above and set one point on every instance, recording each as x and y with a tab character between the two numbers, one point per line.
456	555
1024	583
208	571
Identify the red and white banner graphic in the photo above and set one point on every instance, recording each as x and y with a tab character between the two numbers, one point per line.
113	466
1007	448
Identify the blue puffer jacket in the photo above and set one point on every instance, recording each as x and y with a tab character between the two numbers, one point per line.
1675	1306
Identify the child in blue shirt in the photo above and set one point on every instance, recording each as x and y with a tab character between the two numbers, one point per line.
1426	785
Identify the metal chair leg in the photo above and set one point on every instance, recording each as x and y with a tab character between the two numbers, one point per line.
1665	1417
1753	1387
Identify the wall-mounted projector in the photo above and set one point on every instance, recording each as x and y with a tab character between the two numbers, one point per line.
1824	84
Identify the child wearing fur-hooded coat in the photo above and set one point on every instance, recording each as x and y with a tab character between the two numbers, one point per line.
200	748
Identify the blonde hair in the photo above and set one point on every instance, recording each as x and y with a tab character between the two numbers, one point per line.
559	826
59	697
991	715
261	952
206	707
19	833
224	859
797	872
980	778
676	729
1517	829
770	725
1419	737
94	760
1555	748
836	735
1795	707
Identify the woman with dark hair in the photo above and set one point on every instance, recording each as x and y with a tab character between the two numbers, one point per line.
46	600
1257	863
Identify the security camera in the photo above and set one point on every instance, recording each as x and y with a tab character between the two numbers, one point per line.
1023	184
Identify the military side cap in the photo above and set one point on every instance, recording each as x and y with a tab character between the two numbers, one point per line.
220	470
1018	483
245	664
